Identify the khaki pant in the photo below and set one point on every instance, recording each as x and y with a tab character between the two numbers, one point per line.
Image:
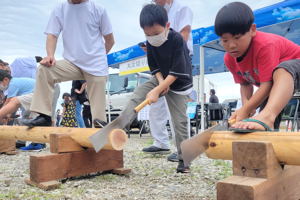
65	71
177	106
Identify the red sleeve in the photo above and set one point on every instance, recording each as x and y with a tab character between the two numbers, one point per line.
268	59
231	65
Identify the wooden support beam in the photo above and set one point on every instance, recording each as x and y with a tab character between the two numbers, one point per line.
44	168
254	159
258	175
286	144
7	146
50	185
116	139
62	143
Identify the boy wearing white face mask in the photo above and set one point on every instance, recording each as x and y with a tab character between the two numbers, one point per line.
169	62
180	18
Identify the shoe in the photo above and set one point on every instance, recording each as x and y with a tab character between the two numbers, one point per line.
99	123
20	144
155	150
41	120
181	168
173	157
33	147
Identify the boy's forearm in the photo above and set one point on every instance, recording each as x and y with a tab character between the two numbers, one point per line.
159	77
246	91
166	83
51	44
258	97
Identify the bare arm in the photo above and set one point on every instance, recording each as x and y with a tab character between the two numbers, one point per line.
83	86
185	32
246	91
50	48
109	42
153	95
258	97
251	102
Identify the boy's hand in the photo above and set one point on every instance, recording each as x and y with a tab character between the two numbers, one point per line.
153	95
239	115
165	91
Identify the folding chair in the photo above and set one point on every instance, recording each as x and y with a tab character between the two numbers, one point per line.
290	114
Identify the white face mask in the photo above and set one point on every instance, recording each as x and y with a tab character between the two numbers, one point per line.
167	7
158	40
2	87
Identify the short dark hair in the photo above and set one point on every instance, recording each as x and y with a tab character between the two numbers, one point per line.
213	91
38	59
234	18
66	94
4	74
3	63
153	14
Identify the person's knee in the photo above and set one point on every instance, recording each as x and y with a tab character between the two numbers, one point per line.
15	101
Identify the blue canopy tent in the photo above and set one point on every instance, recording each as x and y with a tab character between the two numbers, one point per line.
281	18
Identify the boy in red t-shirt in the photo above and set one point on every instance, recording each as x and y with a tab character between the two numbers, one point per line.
268	61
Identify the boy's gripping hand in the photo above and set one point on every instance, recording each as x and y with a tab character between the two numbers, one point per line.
239	115
153	95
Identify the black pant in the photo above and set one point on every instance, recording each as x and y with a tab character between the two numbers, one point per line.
87	116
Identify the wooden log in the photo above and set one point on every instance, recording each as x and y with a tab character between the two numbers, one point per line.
44	168
116	139
286	144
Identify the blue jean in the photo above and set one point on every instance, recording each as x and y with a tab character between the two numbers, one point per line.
78	115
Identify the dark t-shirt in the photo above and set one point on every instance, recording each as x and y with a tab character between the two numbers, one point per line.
213	99
77	85
172	58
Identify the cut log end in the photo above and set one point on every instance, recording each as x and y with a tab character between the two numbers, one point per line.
117	139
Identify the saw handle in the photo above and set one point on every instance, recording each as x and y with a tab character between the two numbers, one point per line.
142	105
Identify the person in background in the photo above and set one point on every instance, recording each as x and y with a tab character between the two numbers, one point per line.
87	115
58	117
78	95
25	66
180	18
213	98
87	38
68	114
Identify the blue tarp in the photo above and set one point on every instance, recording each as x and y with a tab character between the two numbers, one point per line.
282	18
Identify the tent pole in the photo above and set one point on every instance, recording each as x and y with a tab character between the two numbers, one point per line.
202	86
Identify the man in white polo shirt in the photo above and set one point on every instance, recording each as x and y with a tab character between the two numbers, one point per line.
87	38
180	18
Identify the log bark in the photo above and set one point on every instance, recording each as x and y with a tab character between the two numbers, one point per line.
116	139
286	144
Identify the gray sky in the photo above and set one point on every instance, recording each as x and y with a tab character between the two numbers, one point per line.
23	23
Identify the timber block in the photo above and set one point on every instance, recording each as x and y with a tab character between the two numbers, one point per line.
50	185
121	171
254	159
49	167
257	175
62	143
8	146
